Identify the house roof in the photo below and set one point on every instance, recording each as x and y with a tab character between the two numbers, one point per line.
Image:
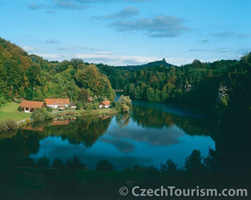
90	99
57	101
106	103
30	128
60	122
31	104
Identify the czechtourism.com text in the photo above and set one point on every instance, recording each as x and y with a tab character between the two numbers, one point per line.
172	191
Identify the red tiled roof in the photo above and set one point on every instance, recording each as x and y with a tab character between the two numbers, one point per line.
60	122
57	101
31	104
105	103
30	128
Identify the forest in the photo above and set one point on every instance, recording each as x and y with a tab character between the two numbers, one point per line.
221	88
33	78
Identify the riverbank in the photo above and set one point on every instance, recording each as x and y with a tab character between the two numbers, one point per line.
77	113
10	111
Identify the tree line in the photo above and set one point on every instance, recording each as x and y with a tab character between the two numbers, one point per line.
220	88
33	78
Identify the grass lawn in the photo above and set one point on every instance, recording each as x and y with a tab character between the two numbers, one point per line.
9	111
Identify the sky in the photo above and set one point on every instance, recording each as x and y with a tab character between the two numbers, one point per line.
129	32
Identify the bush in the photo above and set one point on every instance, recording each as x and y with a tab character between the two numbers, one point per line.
95	106
104	165
37	116
49	109
89	107
79	106
58	164
41	115
3	126
2	100
74	164
124	104
43	162
11	124
20	109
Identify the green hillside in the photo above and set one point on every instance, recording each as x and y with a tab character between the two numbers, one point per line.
33	78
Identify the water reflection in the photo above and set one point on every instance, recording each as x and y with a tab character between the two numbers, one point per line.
146	136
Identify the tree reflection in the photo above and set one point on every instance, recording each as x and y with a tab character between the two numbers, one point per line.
155	118
123	119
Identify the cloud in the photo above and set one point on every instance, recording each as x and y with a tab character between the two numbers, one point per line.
66	48
73	4
124	13
122	146
52	56
224	34
231	34
51	41
30	49
166	136
112	59
219	50
66	4
159	26
204	41
90	48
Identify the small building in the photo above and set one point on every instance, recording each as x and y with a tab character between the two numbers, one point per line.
57	103
105	104
72	106
30	106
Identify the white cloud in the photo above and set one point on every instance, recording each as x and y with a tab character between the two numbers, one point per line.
29	49
49	56
67	48
117	60
159	26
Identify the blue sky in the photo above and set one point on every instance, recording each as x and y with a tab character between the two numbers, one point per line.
125	32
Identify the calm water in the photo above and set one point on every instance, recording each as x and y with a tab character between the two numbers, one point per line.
149	135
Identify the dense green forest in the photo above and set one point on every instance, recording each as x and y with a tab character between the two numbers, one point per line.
220	88
31	77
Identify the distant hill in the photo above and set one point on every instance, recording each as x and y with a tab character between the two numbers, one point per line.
160	63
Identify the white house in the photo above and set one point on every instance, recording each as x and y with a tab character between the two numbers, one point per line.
57	103
30	106
105	104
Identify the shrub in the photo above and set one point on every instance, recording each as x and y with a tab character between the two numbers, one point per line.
79	106
124	104
2	100
41	115
3	126
49	109
37	116
43	162
20	109
74	164
104	165
58	164
11	124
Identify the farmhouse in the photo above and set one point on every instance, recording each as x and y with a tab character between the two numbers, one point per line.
57	103
30	106
105	104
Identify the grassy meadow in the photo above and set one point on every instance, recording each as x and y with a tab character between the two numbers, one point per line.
9	111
